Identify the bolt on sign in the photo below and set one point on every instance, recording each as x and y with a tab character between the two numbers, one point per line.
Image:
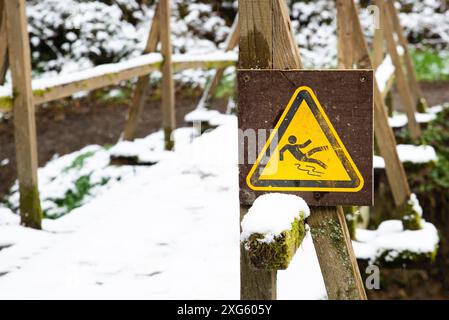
308	133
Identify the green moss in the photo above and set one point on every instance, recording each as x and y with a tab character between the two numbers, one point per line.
277	254
40	92
392	258
30	207
169	144
411	220
422	106
6	103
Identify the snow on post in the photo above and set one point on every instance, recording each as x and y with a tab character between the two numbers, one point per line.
273	230
412	214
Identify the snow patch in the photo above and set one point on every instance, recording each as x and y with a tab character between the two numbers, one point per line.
271	214
390	236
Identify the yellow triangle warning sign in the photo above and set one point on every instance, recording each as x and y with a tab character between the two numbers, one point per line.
304	152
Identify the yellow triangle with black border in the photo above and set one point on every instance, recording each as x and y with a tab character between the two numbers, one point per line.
304	152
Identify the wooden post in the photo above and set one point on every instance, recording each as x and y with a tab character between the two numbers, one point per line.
401	80
335	254
384	134
168	89
143	83
24	119
266	42
231	43
3	44
420	101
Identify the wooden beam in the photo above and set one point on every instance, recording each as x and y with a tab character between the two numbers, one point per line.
402	83
231	43
97	77
420	101
143	83
3	44
335	254
168	88
24	119
384	134
264	33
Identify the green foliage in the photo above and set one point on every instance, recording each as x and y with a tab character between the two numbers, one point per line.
74	197
79	161
226	87
431	65
437	135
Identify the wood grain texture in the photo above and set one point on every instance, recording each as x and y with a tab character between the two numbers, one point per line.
24	118
143	83
411	73
335	254
3	44
384	134
265	42
255	284
405	94
345	37
168	89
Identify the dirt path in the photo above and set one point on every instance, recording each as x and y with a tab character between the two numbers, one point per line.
69	125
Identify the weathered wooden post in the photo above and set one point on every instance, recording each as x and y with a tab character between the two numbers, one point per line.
266	42
384	135
401	80
3	43
143	83
23	112
168	89
420	101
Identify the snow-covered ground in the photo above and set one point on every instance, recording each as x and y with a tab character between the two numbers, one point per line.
169	231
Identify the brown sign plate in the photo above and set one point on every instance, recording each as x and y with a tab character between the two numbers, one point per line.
308	133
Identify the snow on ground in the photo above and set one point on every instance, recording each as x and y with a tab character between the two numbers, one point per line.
410	153
391	237
170	231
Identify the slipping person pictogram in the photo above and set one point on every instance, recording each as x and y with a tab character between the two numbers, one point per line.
295	149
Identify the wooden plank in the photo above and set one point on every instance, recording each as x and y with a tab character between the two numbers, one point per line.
378	48
420	101
260	47
3	44
402	83
344	40
255	284
24	119
168	89
384	134
143	83
102	79
335	254
231	43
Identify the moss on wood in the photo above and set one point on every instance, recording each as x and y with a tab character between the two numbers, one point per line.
393	258
30	207
411	220
277	254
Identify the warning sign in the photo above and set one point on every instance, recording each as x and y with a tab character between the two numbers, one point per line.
308	133
304	152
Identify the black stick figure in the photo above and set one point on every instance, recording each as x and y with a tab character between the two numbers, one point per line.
295	150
